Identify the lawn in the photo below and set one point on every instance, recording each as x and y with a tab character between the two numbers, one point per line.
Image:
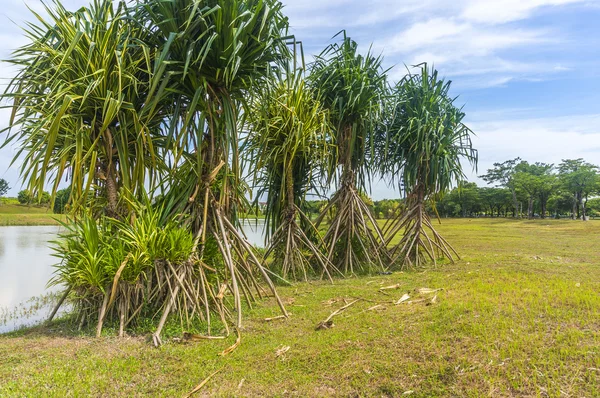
519	315
16	214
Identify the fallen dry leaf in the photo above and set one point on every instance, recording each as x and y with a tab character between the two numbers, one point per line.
276	318
396	286
282	350
426	290
199	386
403	299
433	300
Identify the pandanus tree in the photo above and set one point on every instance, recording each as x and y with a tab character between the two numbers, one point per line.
425	140
80	111
352	87
289	147
78	106
213	53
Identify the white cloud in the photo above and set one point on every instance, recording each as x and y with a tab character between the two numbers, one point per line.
546	140
424	34
462	37
309	15
503	11
461	48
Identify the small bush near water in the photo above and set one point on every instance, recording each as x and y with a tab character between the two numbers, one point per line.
116	271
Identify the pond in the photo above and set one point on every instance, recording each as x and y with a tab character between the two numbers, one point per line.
26	267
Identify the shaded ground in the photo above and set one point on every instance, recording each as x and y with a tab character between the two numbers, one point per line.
518	316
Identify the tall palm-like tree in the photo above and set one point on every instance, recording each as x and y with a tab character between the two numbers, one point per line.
213	52
78	106
289	147
352	87
421	151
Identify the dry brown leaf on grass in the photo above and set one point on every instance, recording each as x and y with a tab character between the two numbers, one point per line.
222	291
276	318
330	302
325	325
199	386
282	350
239	387
426	290
404	298
433	300
328	323
396	286
198	337
235	345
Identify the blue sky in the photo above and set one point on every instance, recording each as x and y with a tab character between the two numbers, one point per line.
527	71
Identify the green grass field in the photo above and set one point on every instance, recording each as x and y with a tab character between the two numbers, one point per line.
15	214
518	316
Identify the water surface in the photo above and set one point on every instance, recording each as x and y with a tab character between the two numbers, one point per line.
25	269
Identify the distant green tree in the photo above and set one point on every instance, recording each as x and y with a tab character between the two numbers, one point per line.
468	198
312	208
386	208
3	188
44	198
537	182
62	199
502	174
593	207
560	202
582	180
495	199
448	205
24	197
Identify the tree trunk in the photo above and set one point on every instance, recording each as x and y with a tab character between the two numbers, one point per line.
289	187
112	192
543	206
530	208
582	206
110	173
515	203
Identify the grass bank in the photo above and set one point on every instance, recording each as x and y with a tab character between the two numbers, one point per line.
518	316
16	214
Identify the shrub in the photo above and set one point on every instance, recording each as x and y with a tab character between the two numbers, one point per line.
138	265
24	197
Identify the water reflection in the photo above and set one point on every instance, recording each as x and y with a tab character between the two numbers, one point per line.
25	262
25	268
254	230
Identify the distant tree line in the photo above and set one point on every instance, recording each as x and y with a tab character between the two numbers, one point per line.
521	189
542	189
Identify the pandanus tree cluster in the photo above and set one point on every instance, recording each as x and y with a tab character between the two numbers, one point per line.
155	110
